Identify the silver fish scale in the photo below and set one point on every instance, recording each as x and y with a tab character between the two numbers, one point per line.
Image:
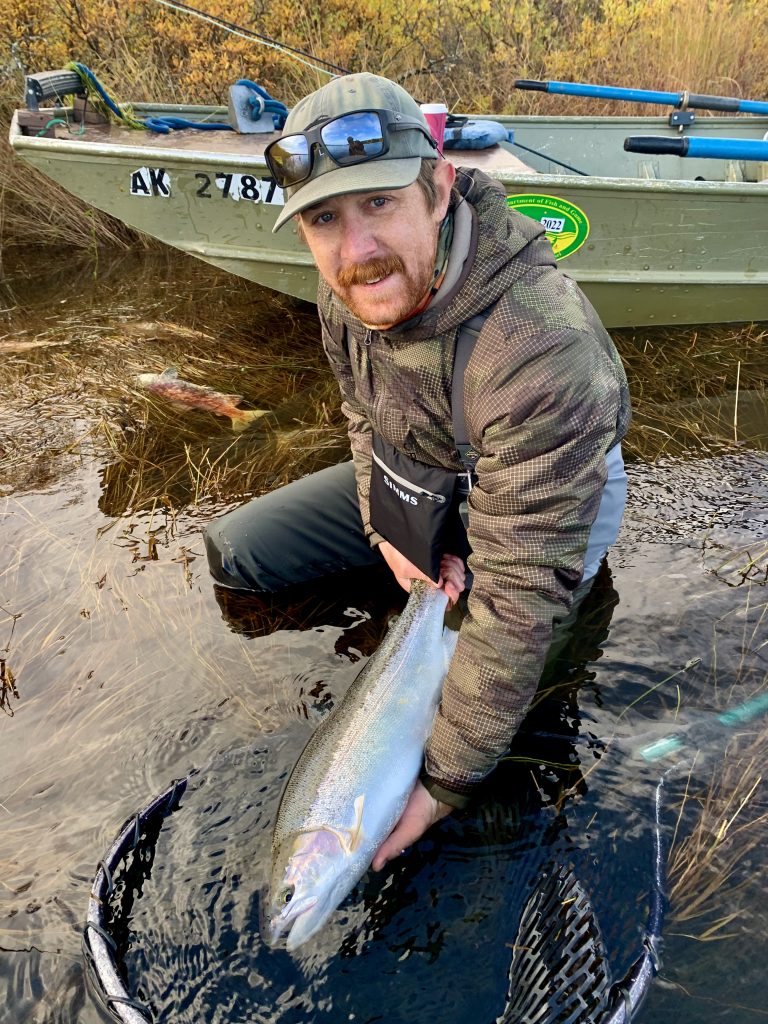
348	750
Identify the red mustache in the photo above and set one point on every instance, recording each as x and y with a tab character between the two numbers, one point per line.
364	273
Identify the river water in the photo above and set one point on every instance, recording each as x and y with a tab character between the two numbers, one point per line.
124	669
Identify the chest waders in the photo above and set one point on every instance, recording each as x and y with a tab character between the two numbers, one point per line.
421	509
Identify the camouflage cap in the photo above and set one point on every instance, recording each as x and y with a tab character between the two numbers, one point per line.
397	168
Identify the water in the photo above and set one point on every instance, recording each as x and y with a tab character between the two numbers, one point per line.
131	671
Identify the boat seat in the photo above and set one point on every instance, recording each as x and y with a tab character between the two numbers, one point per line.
494	158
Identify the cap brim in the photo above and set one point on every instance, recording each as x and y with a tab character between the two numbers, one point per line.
365	177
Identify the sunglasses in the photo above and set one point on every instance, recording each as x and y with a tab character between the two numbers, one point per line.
348	139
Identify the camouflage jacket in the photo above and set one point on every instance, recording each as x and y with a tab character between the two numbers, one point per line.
545	397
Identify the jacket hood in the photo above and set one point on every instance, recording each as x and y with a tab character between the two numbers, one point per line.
501	248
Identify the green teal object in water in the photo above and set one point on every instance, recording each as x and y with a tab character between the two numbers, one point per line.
700	732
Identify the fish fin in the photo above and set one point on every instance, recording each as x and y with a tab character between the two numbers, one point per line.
169	373
450	639
349	838
356	833
244	418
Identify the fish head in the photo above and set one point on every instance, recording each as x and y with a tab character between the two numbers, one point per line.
310	873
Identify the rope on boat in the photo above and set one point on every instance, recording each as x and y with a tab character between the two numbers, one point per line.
246	33
260	103
102	100
65	124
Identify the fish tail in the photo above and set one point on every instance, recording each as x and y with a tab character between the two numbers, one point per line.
244	418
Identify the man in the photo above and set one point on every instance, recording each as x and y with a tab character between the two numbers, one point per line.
409	253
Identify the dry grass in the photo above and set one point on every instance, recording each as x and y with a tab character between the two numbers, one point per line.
695	390
713	864
469	56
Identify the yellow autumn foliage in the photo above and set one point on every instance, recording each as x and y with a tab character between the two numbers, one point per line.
467	54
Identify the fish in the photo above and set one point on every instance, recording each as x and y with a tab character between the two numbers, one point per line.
353	779
183	394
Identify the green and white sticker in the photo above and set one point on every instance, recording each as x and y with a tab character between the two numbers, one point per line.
567	226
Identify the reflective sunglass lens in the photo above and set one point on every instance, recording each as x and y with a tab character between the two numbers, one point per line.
353	137
289	159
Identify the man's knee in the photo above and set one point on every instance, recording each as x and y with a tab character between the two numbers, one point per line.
232	545
307	529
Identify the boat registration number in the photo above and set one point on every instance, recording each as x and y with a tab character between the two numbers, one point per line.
151	182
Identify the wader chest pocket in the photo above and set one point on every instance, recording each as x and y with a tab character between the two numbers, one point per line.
412	505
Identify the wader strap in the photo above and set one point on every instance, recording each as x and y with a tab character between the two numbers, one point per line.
465	344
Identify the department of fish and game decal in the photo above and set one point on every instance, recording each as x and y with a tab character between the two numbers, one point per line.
567	226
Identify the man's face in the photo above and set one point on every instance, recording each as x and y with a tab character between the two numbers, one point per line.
377	249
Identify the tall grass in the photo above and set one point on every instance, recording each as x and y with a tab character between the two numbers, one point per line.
466	54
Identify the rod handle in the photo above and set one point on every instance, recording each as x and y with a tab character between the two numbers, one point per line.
532	84
654	144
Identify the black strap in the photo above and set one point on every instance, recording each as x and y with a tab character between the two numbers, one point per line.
465	345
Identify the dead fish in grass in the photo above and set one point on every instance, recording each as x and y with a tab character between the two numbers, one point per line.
353	779
183	394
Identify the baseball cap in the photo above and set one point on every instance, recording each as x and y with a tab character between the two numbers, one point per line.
396	168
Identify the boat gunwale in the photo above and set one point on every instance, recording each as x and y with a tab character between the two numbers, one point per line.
610	121
645	278
83	149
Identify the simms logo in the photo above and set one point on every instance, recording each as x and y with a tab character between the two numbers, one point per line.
403	495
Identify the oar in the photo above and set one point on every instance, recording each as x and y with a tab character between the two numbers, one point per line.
716	149
684	100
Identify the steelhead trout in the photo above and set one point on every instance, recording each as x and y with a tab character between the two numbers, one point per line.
185	395
353	779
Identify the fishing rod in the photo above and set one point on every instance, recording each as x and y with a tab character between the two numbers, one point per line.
247	33
552	160
682	100
715	149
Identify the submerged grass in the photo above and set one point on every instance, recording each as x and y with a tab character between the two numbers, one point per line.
714	863
69	381
71	357
695	390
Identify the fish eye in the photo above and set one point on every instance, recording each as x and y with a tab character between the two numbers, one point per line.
287	895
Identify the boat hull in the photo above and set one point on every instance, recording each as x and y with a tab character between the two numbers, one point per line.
654	251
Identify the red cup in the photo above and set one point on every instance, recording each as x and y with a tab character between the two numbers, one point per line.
436	114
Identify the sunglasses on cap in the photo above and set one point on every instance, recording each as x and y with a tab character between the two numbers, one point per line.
348	139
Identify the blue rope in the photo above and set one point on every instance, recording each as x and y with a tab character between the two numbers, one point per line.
163	125
92	83
260	103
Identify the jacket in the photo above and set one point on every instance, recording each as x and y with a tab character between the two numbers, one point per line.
545	398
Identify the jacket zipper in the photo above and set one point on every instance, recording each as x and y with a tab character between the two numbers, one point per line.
437	498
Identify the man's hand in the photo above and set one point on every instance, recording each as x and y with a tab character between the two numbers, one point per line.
421	811
452	571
